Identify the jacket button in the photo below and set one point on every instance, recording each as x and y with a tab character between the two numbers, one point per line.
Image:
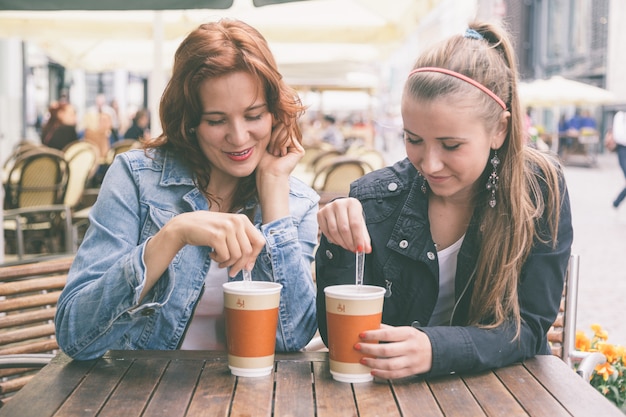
416	324
392	186
431	256
147	312
329	254
403	244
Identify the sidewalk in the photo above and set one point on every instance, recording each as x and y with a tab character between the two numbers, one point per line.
599	239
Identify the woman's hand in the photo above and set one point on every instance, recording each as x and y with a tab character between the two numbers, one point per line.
280	141
406	351
235	241
282	164
343	224
272	180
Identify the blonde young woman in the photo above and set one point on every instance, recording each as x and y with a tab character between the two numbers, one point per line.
470	234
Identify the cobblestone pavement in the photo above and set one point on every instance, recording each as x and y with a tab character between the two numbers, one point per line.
599	239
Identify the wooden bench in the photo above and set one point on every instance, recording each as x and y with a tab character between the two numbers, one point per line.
28	298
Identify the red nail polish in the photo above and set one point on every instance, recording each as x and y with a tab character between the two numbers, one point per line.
362	361
361	335
357	346
359	248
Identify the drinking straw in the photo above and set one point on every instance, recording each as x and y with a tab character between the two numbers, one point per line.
246	275
360	265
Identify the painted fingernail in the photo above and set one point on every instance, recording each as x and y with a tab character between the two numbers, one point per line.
362	361
357	346
359	248
361	335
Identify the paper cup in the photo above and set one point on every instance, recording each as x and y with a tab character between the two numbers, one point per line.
350	310
251	310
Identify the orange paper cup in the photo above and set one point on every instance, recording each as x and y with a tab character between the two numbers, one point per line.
251	310
350	310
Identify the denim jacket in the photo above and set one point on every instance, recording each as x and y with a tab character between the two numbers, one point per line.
404	260
99	308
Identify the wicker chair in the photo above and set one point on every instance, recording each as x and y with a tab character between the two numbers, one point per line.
336	176
35	214
28	298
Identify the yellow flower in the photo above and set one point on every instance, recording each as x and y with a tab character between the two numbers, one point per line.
621	353
605	370
582	341
610	377
598	333
608	350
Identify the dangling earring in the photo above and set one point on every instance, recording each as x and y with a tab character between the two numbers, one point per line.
423	186
492	181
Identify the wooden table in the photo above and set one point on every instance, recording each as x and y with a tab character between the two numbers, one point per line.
196	383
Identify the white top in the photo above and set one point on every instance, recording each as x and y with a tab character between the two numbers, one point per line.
447	270
619	128
206	330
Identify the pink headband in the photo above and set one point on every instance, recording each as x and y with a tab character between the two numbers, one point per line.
464	78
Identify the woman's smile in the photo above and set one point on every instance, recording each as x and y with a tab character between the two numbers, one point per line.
240	156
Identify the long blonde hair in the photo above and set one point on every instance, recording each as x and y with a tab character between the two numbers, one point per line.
528	183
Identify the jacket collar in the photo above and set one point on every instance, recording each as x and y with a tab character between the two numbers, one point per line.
175	172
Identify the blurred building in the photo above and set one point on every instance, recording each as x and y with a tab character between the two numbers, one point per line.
577	39
561	37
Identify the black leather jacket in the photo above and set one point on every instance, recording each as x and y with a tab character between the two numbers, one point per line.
404	260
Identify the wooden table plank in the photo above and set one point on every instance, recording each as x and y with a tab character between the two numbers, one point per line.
530	394
415	398
454	397
214	391
197	383
493	397
133	393
332	397
294	390
175	390
375	399
569	394
253	396
94	390
47	392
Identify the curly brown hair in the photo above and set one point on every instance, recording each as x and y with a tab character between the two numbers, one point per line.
213	50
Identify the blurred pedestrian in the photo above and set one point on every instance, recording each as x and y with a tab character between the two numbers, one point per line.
60	129
331	133
619	136
139	129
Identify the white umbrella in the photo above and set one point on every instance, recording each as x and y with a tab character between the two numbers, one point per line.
318	43
354	32
560	91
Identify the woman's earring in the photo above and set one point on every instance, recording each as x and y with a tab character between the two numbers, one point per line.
423	186
192	130
492	182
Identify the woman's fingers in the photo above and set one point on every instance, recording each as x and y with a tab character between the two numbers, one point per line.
279	141
342	222
234	240
407	351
